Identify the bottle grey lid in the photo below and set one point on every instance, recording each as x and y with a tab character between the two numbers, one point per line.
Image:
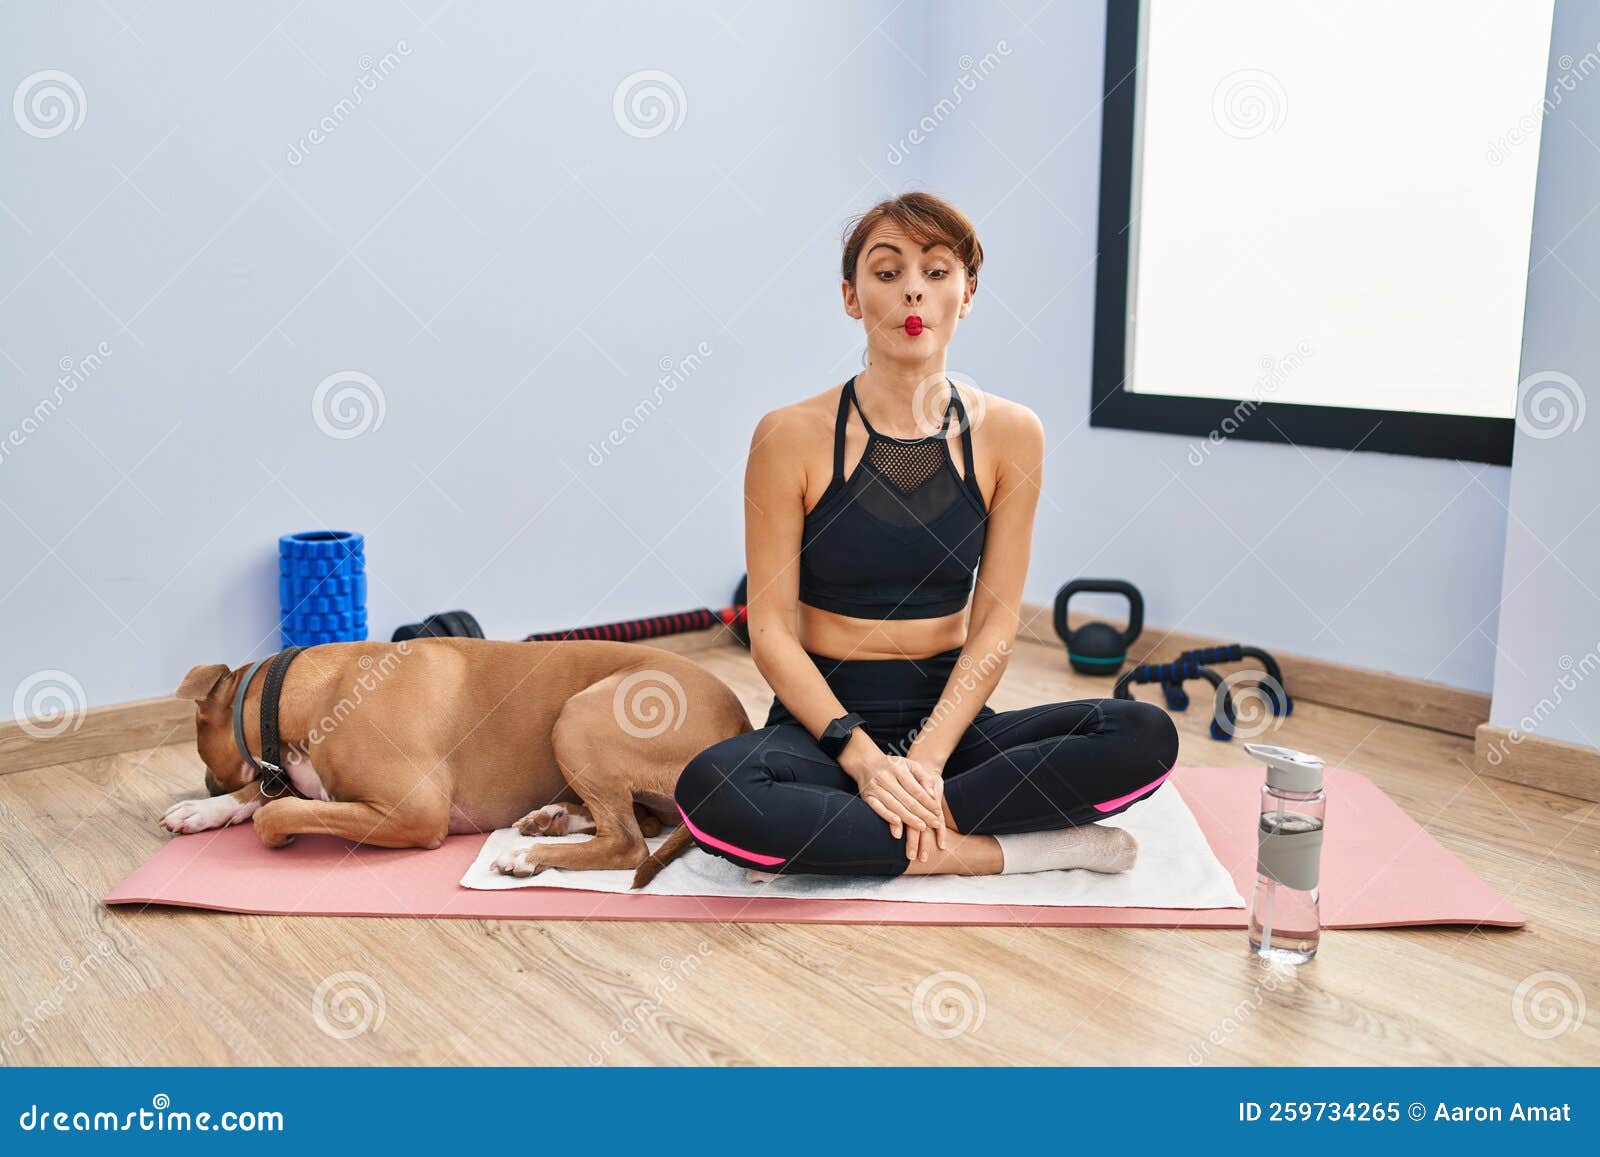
1287	769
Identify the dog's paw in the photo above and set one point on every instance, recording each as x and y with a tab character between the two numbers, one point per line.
520	864
554	820
270	827
201	815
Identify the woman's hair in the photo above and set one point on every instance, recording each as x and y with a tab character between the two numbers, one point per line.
926	219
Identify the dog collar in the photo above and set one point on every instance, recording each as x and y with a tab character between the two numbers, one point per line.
269	769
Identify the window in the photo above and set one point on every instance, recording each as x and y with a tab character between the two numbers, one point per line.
1315	220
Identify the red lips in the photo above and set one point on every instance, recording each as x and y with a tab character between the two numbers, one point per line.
913	325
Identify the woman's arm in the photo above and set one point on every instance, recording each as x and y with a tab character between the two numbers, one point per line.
997	595
903	794
774	522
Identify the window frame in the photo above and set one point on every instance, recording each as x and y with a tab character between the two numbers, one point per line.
1457	436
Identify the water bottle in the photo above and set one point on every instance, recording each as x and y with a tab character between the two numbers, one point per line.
1285	923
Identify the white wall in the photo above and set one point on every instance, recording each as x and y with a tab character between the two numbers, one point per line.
481	237
514	271
1547	675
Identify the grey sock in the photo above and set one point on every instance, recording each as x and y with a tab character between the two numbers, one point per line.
1100	849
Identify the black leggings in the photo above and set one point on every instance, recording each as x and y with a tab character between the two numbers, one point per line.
772	799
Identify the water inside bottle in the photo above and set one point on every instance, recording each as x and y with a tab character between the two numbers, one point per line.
1285	922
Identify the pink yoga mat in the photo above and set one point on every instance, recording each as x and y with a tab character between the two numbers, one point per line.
1379	870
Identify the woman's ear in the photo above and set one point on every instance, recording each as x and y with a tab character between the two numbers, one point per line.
852	304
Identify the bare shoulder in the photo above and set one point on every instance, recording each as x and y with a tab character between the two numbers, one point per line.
797	425
1006	426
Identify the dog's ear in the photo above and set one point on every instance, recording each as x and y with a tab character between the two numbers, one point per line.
200	682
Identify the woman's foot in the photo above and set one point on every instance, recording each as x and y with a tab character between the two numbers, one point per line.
754	876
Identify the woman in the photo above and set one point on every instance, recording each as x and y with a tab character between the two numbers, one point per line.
863	531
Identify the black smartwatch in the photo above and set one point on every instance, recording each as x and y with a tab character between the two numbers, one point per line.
836	736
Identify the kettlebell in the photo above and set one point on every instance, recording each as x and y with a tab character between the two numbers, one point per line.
1098	648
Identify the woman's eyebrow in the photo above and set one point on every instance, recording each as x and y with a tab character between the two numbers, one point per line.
897	249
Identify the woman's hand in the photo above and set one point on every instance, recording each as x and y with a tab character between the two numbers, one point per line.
920	843
906	793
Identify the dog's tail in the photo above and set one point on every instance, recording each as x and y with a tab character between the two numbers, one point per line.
675	845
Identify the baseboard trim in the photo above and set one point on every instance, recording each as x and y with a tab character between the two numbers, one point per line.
132	726
1455	710
109	730
1536	761
122	727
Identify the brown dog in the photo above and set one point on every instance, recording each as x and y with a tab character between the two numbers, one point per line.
399	744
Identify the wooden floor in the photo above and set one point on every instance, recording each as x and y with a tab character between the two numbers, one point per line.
84	984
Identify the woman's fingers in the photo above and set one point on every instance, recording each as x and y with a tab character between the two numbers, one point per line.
886	813
906	804
932	787
909	794
917	844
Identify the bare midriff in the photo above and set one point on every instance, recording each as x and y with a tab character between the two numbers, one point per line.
843	637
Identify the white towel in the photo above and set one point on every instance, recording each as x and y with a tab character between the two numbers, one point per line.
1176	869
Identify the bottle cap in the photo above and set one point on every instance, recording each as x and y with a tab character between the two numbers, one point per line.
1287	769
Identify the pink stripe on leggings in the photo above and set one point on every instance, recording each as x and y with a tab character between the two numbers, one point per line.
1110	804
725	845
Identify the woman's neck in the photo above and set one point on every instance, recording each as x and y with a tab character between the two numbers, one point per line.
892	395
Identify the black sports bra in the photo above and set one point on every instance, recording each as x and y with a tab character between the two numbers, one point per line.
900	538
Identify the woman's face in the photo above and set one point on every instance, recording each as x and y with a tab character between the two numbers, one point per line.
901	282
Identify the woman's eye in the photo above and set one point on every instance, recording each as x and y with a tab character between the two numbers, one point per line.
942	273
886	274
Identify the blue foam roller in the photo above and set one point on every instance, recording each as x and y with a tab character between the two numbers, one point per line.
322	587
